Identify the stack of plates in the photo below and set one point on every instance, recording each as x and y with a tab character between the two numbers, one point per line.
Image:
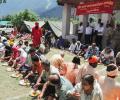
24	83
5	64
9	69
15	75
34	93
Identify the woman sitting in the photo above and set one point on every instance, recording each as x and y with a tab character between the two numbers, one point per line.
107	56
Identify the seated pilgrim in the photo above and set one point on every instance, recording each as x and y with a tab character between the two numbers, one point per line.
70	69
36	71
87	89
77	47
43	78
107	56
59	87
92	50
72	46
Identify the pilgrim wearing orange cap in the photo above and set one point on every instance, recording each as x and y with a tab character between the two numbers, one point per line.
36	35
88	69
110	88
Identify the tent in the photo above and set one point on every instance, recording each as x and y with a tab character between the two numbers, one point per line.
28	25
54	26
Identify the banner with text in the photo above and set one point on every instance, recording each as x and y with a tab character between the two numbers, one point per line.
105	6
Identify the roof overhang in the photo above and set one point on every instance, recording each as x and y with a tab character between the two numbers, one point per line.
76	2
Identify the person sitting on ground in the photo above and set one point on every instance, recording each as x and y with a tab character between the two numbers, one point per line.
11	41
20	44
48	34
72	70
87	89
110	87
72	46
83	50
41	50
26	46
20	61
43	78
36	71
93	50
60	43
7	54
77	47
57	60
88	69
107	56
15	54
53	40
27	67
60	87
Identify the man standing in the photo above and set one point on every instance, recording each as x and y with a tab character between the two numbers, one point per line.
88	34
99	37
80	31
36	35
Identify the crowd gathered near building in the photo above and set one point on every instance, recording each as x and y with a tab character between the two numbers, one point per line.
57	79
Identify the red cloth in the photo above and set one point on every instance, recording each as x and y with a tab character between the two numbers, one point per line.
15	52
14	33
36	36
37	69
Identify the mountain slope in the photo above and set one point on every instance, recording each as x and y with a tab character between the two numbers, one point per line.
54	12
15	6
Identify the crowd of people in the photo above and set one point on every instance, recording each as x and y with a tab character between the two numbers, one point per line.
56	78
100	33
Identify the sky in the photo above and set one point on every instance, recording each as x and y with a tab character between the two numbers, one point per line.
14	6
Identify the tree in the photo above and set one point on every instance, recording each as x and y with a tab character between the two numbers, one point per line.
7	18
26	15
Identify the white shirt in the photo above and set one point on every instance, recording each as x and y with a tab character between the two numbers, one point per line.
111	54
26	48
23	53
97	27
95	95
88	30
72	47
80	29
3	38
54	70
78	47
1	47
92	24
100	30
